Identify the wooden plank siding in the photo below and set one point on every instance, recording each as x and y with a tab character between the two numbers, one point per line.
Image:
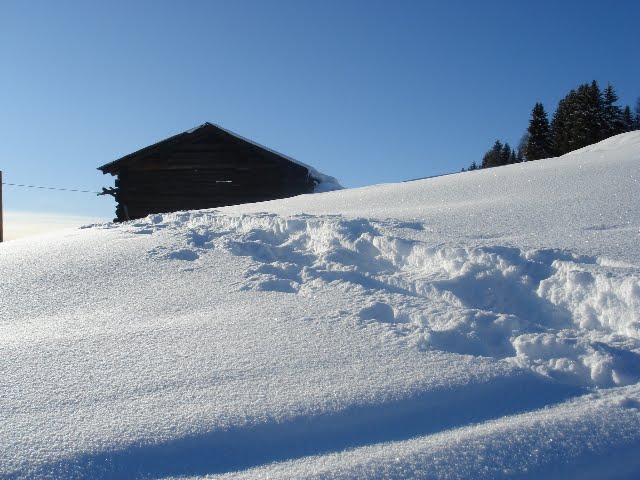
206	167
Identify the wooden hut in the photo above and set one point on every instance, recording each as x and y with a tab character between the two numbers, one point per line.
204	167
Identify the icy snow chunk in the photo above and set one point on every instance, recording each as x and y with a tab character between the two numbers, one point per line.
572	358
597	297
378	311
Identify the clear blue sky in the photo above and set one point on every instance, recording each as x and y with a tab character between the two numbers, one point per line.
367	91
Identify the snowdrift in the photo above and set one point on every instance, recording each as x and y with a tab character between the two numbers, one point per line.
479	325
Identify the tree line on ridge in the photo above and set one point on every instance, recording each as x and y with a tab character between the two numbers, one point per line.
583	117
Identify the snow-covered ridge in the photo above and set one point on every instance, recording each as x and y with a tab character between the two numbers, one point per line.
629	141
480	325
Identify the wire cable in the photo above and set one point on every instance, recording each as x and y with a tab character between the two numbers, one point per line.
50	188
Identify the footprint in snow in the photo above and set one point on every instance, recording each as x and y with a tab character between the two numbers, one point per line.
182	254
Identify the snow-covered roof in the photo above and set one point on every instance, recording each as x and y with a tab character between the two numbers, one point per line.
326	183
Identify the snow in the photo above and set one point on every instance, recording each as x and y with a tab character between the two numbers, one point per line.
478	325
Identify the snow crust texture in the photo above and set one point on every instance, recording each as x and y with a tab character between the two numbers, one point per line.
480	325
524	446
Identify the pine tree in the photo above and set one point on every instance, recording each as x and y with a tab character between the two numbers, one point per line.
579	120
492	157
596	111
586	117
512	157
627	120
473	166
522	147
612	114
505	154
561	125
539	142
637	109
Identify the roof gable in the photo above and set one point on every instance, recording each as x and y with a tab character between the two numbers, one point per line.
201	132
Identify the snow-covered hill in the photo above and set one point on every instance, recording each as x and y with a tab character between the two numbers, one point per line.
478	325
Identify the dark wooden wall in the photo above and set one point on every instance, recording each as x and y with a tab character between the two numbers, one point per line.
211	169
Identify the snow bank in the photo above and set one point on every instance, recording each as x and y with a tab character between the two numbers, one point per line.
480	325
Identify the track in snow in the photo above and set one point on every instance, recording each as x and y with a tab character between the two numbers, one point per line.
572	318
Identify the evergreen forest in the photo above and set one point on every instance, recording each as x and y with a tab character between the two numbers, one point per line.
583	117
